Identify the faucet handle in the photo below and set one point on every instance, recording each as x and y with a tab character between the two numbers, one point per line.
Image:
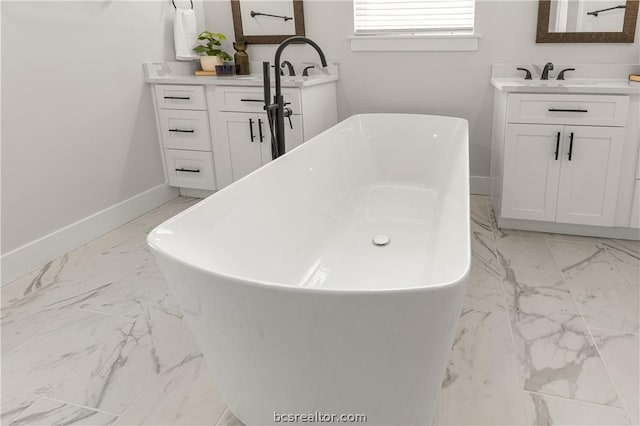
324	70
528	73
561	74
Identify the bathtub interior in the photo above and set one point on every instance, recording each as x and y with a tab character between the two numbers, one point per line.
308	219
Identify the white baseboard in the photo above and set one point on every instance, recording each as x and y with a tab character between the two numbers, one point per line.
570	229
479	185
195	193
30	256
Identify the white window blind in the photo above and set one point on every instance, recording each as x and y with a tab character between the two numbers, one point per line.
406	16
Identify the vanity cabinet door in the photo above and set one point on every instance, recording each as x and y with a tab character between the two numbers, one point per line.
293	136
590	174
240	132
531	171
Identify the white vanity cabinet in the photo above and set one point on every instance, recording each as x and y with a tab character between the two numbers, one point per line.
566	174
183	123
242	138
248	138
557	160
214	131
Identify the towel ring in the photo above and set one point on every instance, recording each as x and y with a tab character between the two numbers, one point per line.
174	4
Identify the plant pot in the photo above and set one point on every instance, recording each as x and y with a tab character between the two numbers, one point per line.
208	63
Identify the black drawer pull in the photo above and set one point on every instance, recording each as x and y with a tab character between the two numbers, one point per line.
178	97
260	129
567	110
182	131
188	170
251	129
252	100
570	146
557	145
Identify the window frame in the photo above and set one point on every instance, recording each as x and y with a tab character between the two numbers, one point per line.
415	41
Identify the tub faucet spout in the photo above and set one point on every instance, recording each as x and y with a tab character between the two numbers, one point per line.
276	112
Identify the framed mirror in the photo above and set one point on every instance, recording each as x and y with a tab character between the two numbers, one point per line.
267	21
587	21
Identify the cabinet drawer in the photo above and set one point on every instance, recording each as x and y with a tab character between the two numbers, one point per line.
190	169
185	129
594	110
180	97
251	99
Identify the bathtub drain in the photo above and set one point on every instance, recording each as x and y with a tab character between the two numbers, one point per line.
381	240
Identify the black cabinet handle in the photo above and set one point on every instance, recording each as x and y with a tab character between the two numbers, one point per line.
557	145
182	131
178	97
188	170
567	110
251	100
570	146
251	129
260	129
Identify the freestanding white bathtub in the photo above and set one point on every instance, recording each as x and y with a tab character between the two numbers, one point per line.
295	309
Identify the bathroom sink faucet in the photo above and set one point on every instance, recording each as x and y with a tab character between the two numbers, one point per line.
545	72
276	111
292	72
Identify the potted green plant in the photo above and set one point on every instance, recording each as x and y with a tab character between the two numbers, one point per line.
211	52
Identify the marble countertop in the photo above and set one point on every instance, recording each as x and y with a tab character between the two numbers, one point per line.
577	85
183	73
585	78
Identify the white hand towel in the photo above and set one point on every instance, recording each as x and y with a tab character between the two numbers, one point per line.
184	34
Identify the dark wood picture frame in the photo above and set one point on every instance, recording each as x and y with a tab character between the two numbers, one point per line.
298	15
627	35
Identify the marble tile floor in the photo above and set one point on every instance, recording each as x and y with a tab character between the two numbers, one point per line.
549	334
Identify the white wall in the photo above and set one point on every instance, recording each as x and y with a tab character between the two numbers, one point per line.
443	83
78	132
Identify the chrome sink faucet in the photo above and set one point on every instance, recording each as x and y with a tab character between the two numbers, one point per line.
545	72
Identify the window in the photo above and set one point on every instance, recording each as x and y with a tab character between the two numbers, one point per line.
413	16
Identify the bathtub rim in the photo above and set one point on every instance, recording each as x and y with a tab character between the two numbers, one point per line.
272	285
320	290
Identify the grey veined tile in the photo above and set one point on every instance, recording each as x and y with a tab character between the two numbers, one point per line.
621	353
45	360
482	385
556	353
183	394
626	255
549	410
228	419
605	297
133	294
65	268
166	211
480	213
524	250
120	367
483	245
48	412
28	316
